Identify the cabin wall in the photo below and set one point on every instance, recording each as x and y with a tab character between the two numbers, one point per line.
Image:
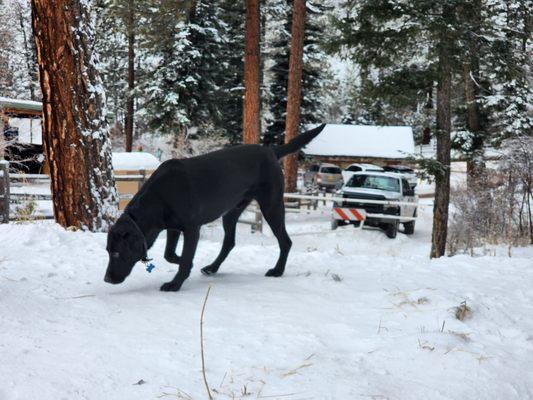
344	161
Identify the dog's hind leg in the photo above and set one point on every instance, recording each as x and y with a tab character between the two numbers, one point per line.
173	236
274	213
190	243
229	221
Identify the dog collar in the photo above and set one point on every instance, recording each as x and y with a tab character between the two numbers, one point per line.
144	258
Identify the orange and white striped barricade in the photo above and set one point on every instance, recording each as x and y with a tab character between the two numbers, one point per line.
349	214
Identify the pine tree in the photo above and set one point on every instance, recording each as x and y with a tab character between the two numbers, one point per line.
252	78
278	20
22	13
508	66
230	84
393	37
18	69
111	45
208	37
170	93
315	71
294	87
75	133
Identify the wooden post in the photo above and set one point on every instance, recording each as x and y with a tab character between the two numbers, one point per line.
4	192
143	179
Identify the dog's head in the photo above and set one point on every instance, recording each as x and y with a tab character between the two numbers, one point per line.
125	245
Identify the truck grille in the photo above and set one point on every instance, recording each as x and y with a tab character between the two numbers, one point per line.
369	208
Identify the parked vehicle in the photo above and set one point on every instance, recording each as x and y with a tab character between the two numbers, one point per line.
380	186
353	168
324	176
407	172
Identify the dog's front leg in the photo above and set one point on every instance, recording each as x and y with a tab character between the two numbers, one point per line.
173	236
190	243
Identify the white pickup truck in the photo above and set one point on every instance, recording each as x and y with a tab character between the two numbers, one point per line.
369	187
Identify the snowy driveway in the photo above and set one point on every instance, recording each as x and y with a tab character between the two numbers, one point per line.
357	316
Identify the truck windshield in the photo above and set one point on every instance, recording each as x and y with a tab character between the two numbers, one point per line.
375	182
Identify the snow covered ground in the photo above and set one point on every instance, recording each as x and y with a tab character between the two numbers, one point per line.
356	316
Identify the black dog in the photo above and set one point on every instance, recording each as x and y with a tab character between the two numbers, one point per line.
182	195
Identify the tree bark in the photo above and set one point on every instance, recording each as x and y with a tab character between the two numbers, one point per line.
251	119
474	164
442	180
294	91
75	136
131	77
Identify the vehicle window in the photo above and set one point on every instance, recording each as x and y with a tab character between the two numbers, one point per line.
406	187
330	170
353	168
313	168
375	182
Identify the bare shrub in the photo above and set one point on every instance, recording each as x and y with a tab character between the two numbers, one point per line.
496	208
26	212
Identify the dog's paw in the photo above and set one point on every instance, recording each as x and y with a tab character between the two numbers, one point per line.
209	270
170	287
173	258
274	272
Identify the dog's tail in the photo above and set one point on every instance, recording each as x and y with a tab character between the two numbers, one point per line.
297	143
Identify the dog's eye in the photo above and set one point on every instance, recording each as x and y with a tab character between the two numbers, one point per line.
115	254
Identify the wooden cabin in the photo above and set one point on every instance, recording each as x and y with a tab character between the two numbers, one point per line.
343	145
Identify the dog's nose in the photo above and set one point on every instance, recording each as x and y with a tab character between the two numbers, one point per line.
107	278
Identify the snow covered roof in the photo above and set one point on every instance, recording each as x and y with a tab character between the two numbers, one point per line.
363	141
135	161
15	104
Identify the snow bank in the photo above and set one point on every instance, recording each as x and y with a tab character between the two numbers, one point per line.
363	141
356	316
135	161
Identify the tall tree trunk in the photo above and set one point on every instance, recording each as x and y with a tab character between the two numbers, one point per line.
475	165
131	77
294	91
75	135
442	180
251	118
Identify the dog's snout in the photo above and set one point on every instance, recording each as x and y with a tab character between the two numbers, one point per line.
109	278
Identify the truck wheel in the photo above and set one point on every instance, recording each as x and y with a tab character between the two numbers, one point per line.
391	230
409	227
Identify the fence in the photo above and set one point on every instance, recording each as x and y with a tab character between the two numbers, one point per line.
12	181
4	192
295	202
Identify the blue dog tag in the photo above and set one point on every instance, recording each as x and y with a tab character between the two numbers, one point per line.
150	267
